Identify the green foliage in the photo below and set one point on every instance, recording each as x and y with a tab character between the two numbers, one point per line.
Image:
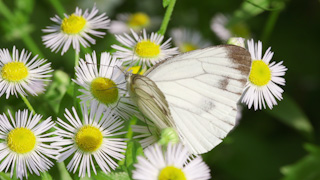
308	168
55	92
111	176
46	176
6	176
165	3
134	149
292	115
68	101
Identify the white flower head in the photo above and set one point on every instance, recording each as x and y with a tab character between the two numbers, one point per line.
145	50
91	141
104	84
135	21
75	29
188	40
218	26
25	144
19	75
264	79
175	163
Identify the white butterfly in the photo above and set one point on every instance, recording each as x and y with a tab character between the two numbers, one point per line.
196	93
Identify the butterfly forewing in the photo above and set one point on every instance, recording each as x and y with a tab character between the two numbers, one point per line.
202	89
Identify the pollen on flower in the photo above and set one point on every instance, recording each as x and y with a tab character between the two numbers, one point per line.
260	73
21	140
170	173
14	71
89	138
73	24
104	90
139	20
147	49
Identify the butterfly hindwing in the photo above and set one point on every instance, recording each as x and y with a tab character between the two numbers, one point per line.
202	89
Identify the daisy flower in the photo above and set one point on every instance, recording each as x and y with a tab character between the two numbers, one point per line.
188	40
173	164
75	29
144	50
219	25
90	140
25	144
264	79
104	84
135	21
19	75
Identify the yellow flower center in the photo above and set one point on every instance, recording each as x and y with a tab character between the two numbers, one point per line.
89	138
188	47
171	173
139	20
136	70
14	71
147	49
73	24
260	73
21	140
104	90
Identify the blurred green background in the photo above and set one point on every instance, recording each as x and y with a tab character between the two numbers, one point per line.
278	144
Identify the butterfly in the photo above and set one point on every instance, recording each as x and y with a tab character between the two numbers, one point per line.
196	93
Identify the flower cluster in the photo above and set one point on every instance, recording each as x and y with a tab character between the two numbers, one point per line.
92	135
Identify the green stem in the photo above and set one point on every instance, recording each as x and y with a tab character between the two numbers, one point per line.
58	7
5	11
64	174
133	121
32	46
167	17
76	58
25	100
270	25
75	86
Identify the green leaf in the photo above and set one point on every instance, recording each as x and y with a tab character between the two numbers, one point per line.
165	3
308	168
248	9
6	176
46	176
289	112
134	149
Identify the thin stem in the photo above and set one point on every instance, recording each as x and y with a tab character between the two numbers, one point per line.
58	7
133	121
5	11
273	17
167	17
64	174
75	86
32	46
76	58
25	100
